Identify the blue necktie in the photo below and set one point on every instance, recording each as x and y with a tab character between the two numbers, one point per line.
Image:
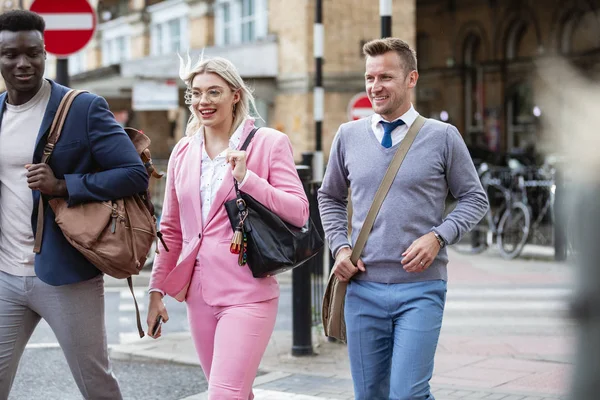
388	127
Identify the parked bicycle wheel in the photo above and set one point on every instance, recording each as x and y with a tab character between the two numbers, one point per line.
513	230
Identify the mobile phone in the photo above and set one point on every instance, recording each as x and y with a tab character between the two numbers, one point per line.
157	325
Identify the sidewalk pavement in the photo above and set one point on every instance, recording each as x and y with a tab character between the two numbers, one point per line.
468	365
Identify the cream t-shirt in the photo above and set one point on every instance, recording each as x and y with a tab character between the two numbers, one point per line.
18	133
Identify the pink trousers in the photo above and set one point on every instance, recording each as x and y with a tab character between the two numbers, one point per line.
230	342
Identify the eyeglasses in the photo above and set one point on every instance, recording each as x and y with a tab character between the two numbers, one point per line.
212	95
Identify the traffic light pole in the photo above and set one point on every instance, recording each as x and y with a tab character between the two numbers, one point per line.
385	12
62	71
319	92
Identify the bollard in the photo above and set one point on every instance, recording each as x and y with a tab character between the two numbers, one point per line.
560	232
301	291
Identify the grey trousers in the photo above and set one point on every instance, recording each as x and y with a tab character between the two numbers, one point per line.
76	315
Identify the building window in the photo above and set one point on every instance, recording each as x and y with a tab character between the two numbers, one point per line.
226	10
240	21
520	120
174	43
473	86
169	33
423	51
115	39
248	21
167	37
115	50
157	35
77	63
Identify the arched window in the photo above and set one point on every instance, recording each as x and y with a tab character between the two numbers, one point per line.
473	78
521	123
585	33
521	41
566	33
423	51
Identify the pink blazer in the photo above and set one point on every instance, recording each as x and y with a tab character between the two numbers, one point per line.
272	180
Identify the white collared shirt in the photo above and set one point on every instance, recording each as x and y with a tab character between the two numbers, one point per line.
214	171
397	134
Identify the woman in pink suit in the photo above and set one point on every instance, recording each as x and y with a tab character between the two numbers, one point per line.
231	313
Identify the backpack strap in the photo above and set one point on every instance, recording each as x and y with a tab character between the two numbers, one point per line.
138	320
53	136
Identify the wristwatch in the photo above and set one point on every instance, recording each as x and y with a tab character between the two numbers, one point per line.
440	240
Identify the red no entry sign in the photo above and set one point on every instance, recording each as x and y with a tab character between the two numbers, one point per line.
70	25
359	107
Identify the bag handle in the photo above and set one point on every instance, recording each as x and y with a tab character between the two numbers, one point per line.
243	148
55	131
384	188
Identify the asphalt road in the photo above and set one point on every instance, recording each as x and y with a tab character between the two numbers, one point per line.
43	373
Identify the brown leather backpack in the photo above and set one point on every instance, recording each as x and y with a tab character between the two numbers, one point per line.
115	236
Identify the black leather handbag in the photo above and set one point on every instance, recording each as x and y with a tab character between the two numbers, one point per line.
264	241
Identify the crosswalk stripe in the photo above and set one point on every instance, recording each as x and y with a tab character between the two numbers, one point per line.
131	307
482	305
508	322
509	292
126	294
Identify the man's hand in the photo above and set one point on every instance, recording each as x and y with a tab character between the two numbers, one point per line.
421	253
343	267
40	177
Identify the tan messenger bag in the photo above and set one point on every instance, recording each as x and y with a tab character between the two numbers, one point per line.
332	313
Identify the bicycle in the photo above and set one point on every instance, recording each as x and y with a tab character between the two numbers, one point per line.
496	182
515	227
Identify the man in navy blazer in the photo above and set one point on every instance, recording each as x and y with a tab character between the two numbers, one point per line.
94	160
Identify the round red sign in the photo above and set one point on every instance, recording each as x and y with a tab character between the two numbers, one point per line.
359	107
70	25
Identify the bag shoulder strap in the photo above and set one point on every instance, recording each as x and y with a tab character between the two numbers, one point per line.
384	188
55	131
243	148
249	139
58	122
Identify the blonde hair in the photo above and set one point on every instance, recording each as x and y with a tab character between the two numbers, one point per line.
226	70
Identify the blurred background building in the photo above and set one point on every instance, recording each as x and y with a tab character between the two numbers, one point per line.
476	63
476	60
132	60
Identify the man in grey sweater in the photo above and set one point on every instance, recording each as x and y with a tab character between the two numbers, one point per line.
396	293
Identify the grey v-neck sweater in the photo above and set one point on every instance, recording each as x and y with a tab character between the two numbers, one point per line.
438	161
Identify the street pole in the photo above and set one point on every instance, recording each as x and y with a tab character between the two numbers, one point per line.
319	92
301	285
62	71
385	12
560	232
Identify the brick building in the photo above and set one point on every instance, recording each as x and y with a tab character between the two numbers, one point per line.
270	41
477	62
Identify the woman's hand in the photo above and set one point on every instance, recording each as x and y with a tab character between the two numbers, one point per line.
237	160
156	308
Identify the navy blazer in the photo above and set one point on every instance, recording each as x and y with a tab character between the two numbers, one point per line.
97	160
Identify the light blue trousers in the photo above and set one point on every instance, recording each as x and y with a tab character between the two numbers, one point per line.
392	332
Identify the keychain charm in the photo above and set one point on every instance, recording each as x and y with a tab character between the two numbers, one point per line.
243	254
236	241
